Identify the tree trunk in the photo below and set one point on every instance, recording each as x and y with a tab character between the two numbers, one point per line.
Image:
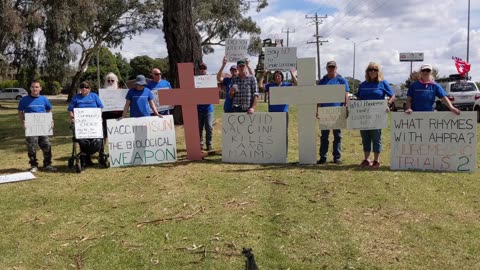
72	90
183	40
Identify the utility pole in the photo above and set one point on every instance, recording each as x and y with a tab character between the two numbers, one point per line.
319	42
288	34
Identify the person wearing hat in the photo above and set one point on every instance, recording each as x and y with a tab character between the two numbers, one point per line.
332	77
421	94
244	90
157	83
138	100
227	82
205	117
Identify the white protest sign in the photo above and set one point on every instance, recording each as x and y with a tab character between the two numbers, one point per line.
160	108
332	117
113	99
88	123
280	58
38	124
16	177
236	49
141	141
434	141
367	114
254	138
206	81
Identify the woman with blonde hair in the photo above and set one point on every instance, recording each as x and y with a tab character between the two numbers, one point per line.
373	88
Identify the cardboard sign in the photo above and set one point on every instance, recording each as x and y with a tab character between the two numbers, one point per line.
281	58
113	99
254	138
236	49
332	117
38	124
434	141
206	81
88	123
160	108
16	177
141	141
367	114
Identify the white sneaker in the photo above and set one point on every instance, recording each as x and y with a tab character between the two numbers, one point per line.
33	169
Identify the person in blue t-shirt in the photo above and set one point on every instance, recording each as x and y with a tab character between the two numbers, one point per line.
157	83
205	117
35	103
421	94
277	82
373	88
227	82
138	100
332	77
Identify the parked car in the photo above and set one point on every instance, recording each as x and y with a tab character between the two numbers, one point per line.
13	93
462	93
476	107
400	102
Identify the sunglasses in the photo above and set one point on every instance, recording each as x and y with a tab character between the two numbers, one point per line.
331	67
110	80
85	87
373	69
157	74
426	70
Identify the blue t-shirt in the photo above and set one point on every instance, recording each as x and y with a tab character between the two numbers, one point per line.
374	90
278	107
152	85
29	104
205	108
139	101
227	106
89	101
423	95
336	80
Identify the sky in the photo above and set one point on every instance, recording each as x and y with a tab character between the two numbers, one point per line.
436	28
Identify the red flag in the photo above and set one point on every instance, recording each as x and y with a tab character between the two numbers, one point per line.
462	66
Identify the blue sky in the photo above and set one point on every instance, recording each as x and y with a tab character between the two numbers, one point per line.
436	28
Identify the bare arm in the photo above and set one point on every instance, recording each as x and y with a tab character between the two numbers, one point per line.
294	78
220	71
126	108
450	106
250	71
408	108
153	107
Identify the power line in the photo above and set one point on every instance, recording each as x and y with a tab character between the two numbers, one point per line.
317	21
288	34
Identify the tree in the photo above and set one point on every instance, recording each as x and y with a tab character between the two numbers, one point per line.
123	69
108	63
144	65
107	23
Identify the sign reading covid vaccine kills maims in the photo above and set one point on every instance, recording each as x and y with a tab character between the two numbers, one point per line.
141	141
434	141
236	49
254	138
280	58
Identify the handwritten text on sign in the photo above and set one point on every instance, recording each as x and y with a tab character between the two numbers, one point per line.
38	124
332	117
254	138
280	58
113	99
236	49
367	114
88	123
163	107
436	141
206	81
141	141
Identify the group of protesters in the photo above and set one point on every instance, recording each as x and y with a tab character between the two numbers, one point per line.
241	95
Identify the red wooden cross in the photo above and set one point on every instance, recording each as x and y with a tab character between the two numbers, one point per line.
189	97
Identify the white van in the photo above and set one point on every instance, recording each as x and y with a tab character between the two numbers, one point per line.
461	93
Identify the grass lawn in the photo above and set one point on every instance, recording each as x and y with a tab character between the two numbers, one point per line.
199	215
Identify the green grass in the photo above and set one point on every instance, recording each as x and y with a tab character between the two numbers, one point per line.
294	217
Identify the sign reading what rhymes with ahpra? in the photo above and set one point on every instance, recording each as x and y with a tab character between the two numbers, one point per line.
254	138
434	141
141	141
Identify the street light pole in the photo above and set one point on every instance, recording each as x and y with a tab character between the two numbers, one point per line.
468	34
354	55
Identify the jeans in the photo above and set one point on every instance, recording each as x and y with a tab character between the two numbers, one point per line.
205	119
337	144
369	137
44	144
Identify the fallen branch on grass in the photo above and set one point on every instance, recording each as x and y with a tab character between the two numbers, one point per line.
175	218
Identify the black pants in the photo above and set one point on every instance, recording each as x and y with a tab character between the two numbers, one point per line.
44	143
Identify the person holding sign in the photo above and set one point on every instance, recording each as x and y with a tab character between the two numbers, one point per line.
421	94
332	77
205	117
111	82
244	90
86	99
277	82
35	103
158	83
373	88
227	82
138	100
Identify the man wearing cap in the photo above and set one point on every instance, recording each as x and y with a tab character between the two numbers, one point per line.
138	100
332	77
244	90
227	82
421	94
205	117
158	84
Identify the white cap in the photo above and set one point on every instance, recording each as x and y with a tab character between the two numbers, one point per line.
426	66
